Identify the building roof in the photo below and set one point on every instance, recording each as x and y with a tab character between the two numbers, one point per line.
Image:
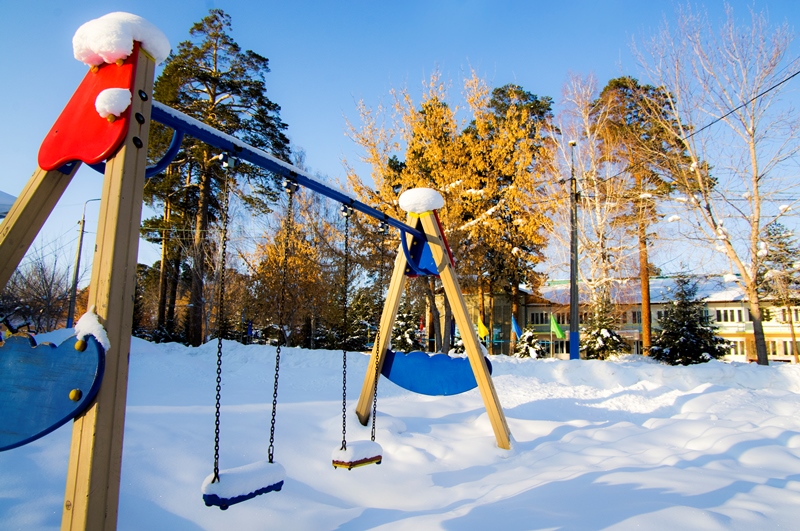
710	288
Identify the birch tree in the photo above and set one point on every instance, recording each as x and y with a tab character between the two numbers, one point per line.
726	94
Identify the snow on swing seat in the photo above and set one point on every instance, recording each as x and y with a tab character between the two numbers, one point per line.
358	453
236	485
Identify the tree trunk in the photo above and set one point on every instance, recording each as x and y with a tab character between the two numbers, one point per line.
490	323
162	275
512	345
644	279
174	278
194	332
448	326
430	294
758	331
481	305
793	349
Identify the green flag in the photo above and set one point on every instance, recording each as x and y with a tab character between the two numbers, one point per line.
554	328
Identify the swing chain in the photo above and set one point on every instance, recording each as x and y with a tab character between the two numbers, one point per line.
220	315
345	211
383	229
291	188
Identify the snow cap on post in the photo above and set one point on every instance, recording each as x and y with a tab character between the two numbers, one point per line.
89	325
110	38
419	200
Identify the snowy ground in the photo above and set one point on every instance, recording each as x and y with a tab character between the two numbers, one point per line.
598	445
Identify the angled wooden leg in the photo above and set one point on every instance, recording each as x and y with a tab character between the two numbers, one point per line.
27	216
453	292
396	286
92	491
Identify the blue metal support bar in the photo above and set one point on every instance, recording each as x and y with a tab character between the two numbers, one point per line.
182	123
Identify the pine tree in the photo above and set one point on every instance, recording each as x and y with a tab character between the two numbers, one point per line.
780	273
647	153
406	326
528	345
210	78
686	336
599	338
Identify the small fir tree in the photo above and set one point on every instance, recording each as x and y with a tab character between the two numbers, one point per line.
406	325
599	339
528	345
780	274
687	337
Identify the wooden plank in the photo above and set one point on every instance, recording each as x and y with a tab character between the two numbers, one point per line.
396	286
92	492
27	216
453	292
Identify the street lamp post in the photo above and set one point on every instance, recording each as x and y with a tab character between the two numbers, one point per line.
574	335
76	273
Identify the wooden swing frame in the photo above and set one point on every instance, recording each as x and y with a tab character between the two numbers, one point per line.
93	479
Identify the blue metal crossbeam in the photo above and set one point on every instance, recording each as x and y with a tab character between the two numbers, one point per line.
185	124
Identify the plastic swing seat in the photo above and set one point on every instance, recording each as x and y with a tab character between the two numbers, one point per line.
358	453
240	484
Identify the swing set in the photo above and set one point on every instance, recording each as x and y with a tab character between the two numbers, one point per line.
118	149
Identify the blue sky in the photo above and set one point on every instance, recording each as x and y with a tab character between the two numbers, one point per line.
324	57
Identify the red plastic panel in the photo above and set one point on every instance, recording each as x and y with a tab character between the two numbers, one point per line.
79	132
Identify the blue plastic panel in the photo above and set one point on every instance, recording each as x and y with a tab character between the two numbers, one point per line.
35	386
433	375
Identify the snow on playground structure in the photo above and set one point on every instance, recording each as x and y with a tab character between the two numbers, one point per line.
105	125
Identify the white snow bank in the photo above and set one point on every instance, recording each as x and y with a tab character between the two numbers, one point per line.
357	451
110	37
419	200
112	102
244	480
89	325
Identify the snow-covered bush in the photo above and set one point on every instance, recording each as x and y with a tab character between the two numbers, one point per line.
528	346
599	339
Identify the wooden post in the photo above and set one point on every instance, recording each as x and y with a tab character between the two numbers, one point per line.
471	345
92	492
27	216
396	286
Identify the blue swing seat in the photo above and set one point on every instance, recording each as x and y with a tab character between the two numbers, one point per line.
430	374
240	484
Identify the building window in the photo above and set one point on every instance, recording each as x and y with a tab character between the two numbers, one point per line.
659	315
636	317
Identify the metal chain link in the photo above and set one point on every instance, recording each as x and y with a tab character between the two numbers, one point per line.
220	316
287	233
384	229
346	213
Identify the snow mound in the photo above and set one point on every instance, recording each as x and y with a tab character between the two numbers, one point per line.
112	102
110	37
419	200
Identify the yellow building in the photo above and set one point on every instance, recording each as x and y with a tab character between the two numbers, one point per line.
725	305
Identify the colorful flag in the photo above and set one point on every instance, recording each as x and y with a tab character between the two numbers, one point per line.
482	330
515	327
554	328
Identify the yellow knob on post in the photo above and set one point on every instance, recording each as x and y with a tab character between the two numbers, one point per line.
75	395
